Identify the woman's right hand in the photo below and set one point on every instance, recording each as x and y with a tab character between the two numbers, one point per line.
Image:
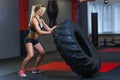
50	32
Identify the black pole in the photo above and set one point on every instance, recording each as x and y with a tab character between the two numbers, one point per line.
52	12
23	34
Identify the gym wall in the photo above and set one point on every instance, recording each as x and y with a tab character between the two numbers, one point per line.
64	13
9	29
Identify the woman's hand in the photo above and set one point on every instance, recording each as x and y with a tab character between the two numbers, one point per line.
54	27
50	32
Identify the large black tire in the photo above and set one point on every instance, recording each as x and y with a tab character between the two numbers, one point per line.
76	49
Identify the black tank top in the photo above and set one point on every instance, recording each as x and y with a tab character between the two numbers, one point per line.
33	28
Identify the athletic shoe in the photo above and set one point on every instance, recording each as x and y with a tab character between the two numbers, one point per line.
36	71
22	74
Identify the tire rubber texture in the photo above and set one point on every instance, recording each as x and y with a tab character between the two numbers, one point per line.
76	49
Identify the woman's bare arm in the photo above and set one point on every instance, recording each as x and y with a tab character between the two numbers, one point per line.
47	27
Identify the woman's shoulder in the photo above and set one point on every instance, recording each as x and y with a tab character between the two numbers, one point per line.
34	20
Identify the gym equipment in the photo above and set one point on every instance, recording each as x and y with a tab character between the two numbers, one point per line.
94	19
76	49
52	12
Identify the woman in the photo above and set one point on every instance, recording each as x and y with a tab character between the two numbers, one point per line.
37	27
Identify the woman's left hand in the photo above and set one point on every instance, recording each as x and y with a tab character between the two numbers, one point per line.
54	27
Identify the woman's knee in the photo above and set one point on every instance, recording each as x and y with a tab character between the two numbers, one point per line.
42	53
30	56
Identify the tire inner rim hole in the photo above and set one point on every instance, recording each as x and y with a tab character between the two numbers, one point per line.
82	43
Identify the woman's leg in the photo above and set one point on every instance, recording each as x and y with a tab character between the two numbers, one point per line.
30	54
41	52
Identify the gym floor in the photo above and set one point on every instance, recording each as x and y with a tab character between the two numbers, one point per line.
54	68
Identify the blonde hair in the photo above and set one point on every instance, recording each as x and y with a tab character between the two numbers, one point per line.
35	8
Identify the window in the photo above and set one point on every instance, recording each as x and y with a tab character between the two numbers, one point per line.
108	17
